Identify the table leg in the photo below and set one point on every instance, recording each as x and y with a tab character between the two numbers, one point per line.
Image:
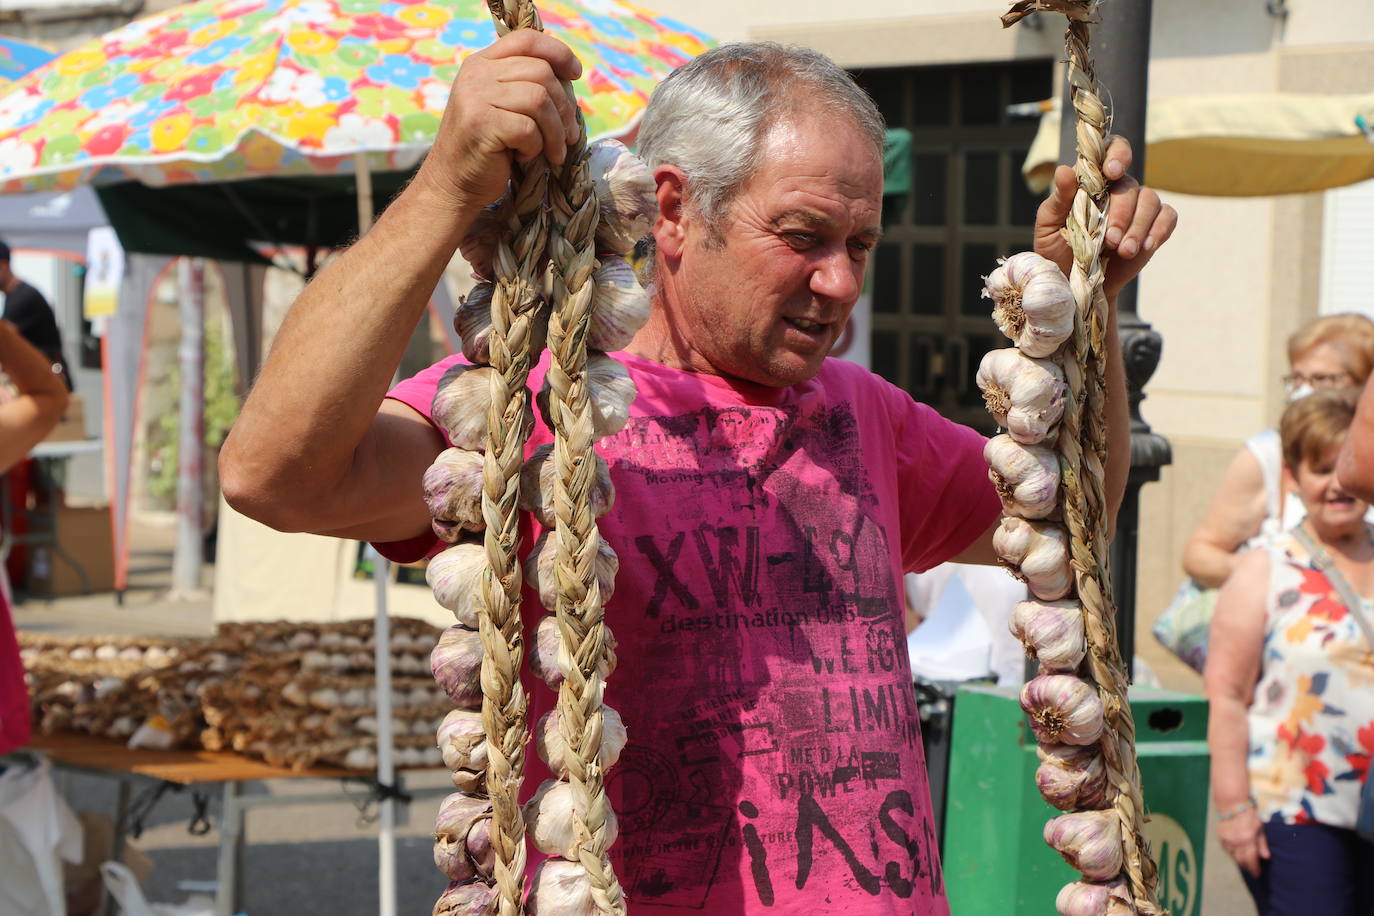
229	892
121	826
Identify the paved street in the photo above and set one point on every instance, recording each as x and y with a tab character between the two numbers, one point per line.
310	859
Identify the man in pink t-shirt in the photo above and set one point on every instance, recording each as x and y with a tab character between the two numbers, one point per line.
768	499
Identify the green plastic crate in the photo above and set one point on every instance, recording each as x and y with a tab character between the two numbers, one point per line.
995	859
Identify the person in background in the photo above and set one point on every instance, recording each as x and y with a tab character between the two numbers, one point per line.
1332	352
27	414
1291	728
32	315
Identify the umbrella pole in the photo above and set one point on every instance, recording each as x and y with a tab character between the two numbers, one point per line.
381	638
189	555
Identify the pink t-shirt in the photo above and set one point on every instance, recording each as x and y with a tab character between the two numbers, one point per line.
774	758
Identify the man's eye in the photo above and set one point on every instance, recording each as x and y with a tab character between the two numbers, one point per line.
799	239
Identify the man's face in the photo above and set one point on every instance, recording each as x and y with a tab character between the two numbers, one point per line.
768	298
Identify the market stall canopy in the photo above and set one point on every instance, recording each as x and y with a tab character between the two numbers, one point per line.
217	93
1241	145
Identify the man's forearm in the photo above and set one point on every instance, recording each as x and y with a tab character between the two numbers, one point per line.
336	353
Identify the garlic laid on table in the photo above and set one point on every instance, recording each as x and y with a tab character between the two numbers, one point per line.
1024	395
1037	553
1026	476
1034	303
1052	632
1062	709
1071	776
1089	841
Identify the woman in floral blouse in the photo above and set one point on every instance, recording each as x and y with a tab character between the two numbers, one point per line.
1291	682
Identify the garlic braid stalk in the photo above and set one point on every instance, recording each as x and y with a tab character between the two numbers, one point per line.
1082	450
578	604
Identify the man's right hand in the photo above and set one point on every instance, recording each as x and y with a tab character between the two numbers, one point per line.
507	104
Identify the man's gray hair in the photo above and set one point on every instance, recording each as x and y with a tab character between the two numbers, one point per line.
711	116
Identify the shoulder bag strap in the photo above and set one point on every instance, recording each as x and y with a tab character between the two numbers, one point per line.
1323	562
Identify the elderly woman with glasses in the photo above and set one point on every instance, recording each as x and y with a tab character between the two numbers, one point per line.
1252	501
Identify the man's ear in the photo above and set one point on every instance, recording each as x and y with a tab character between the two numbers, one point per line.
670	229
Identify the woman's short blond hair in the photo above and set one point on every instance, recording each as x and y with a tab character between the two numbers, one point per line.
1314	425
1349	332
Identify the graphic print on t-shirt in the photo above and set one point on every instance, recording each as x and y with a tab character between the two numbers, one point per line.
774	754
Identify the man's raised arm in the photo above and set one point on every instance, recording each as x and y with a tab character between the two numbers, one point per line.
1138	223
316	447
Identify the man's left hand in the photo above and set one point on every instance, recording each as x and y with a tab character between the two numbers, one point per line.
1138	222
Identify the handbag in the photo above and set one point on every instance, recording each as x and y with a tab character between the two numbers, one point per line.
1183	626
1321	560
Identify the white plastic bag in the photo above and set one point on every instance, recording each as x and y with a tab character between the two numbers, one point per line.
123	887
37	829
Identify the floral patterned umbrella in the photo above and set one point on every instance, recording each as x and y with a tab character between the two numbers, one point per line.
18	58
221	90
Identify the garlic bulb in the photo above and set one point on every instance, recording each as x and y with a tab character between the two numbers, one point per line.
458	814
456	577
626	195
1024	395
1071	777
460	406
453	488
1062	709
547	659
611	390
549	819
1052	632
469	780
537	482
1034	303
552	749
1089	841
467	898
1038	553
360	758
539	569
620	306
457	666
472	322
462	740
1083	899
1026	476
561	888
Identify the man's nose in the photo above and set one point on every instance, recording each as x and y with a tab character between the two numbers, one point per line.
838	276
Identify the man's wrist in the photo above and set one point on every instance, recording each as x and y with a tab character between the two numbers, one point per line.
1226	814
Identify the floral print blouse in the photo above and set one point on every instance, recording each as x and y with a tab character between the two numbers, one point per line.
1312	716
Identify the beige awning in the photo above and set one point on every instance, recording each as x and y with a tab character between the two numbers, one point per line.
1241	145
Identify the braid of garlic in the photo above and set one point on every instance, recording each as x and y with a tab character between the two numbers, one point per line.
519	263
1082	447
581	625
1087	227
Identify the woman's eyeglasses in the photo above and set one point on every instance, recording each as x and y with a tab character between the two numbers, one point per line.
1318	380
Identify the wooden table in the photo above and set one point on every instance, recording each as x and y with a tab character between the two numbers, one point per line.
110	758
